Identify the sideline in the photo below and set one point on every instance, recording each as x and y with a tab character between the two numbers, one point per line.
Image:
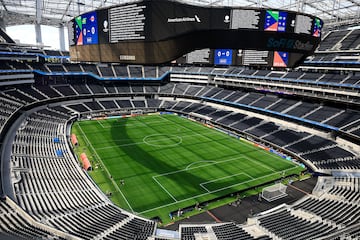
107	171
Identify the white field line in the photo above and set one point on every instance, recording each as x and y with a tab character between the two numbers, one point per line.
145	122
135	124
216	132
217	190
165	119
205	165
264	151
107	171
259	163
141	122
217	179
99	122
189	166
142	142
204	188
165	189
178	124
245	144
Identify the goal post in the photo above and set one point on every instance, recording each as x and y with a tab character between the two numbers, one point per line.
274	192
137	112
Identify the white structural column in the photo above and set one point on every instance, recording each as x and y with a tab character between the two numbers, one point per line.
2	21
300	6
38	21
62	37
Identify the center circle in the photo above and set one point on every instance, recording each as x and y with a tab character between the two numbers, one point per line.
162	140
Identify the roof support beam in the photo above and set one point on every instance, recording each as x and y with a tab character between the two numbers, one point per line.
38	11
356	3
3	4
66	10
321	10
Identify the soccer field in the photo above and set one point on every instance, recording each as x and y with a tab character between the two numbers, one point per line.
168	162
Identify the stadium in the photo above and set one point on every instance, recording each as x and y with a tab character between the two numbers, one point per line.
181	120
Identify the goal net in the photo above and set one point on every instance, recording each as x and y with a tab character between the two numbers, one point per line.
137	112
274	192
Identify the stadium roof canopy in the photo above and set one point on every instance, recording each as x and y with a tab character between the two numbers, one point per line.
55	12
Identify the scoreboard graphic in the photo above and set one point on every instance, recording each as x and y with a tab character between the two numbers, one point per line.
275	21
317	27
86	29
223	57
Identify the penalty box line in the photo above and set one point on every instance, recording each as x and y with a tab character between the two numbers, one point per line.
249	159
265	152
217	179
154	177
186	169
247	181
217	190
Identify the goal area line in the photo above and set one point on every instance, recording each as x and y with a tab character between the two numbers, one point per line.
202	186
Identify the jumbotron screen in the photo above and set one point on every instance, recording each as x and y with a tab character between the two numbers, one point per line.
159	31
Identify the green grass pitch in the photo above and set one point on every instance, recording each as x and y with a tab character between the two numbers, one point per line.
168	162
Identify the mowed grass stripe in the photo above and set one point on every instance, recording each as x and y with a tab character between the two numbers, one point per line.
140	149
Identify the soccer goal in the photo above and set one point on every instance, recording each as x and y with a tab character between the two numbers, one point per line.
137	112
274	192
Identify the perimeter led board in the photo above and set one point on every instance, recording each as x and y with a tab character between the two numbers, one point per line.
160	31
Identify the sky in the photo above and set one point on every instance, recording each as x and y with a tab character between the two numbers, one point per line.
26	35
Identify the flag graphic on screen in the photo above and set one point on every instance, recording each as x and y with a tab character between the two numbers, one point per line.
280	59
317	28
78	29
275	21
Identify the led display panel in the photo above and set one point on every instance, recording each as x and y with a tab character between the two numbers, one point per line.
86	29
275	21
223	57
317	27
280	59
160	31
